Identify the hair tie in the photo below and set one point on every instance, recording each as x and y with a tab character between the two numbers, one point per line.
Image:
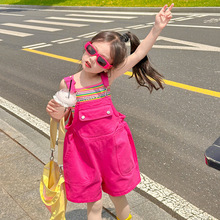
125	37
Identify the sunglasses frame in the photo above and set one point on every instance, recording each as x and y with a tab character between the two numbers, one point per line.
107	66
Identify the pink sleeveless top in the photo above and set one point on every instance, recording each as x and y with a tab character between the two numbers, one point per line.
89	93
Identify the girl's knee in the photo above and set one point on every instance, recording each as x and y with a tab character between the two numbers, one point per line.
94	207
122	207
119	199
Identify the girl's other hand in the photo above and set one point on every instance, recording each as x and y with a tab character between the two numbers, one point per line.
163	17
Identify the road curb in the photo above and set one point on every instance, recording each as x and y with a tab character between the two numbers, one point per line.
136	9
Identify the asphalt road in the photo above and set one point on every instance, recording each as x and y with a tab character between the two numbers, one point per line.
172	128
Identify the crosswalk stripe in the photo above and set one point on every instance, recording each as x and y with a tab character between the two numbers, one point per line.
100	16
104	12
68	41
34	45
118	12
7	14
44	45
119	29
56	23
15	33
193	26
139	26
64	39
79	19
32	27
87	35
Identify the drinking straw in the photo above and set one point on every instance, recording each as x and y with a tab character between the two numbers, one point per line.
70	88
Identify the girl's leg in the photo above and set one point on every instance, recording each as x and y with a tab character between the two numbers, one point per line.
94	210
121	207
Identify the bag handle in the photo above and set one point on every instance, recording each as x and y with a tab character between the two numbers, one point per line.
53	137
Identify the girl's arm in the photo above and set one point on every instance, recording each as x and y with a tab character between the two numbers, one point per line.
161	20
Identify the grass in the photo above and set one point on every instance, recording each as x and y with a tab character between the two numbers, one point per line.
117	3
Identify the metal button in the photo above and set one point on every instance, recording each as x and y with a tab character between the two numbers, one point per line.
108	112
83	117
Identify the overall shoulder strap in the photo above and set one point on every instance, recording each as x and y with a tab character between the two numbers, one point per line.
70	81
105	81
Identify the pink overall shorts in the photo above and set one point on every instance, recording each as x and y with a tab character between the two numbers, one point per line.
99	152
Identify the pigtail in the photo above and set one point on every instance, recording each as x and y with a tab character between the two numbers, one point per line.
144	73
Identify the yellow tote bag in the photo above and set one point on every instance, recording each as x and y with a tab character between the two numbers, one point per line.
52	186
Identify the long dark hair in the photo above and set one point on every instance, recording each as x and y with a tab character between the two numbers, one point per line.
143	71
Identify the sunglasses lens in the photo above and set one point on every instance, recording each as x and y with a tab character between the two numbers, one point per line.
101	61
90	50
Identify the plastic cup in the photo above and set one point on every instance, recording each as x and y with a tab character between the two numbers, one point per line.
66	100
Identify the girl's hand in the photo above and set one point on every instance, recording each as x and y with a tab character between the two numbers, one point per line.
163	17
51	106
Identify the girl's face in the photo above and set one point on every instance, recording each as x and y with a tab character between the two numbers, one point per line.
89	62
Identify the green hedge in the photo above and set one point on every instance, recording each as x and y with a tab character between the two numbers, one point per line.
117	3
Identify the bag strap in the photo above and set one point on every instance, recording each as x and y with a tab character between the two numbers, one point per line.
53	137
61	141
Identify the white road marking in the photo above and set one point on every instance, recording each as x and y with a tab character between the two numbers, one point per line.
139	26
101	16
176	19
165	196
26	116
212	20
80	19
57	23
31	27
15	33
33	45
133	12
171	200
36	46
7	14
116	29
64	39
68	41
188	17
104	12
41	46
188	45
88	35
193	26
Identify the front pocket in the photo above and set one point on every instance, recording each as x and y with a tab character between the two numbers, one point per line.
96	122
77	163
125	157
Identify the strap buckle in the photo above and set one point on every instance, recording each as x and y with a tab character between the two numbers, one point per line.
52	154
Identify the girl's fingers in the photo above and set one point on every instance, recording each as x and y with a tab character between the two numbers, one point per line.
53	103
50	109
171	6
168	13
163	9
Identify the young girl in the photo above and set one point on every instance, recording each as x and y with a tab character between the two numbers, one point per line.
99	152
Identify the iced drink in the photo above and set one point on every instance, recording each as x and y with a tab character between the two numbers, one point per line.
66	100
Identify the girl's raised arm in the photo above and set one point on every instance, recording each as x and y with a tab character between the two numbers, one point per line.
161	20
